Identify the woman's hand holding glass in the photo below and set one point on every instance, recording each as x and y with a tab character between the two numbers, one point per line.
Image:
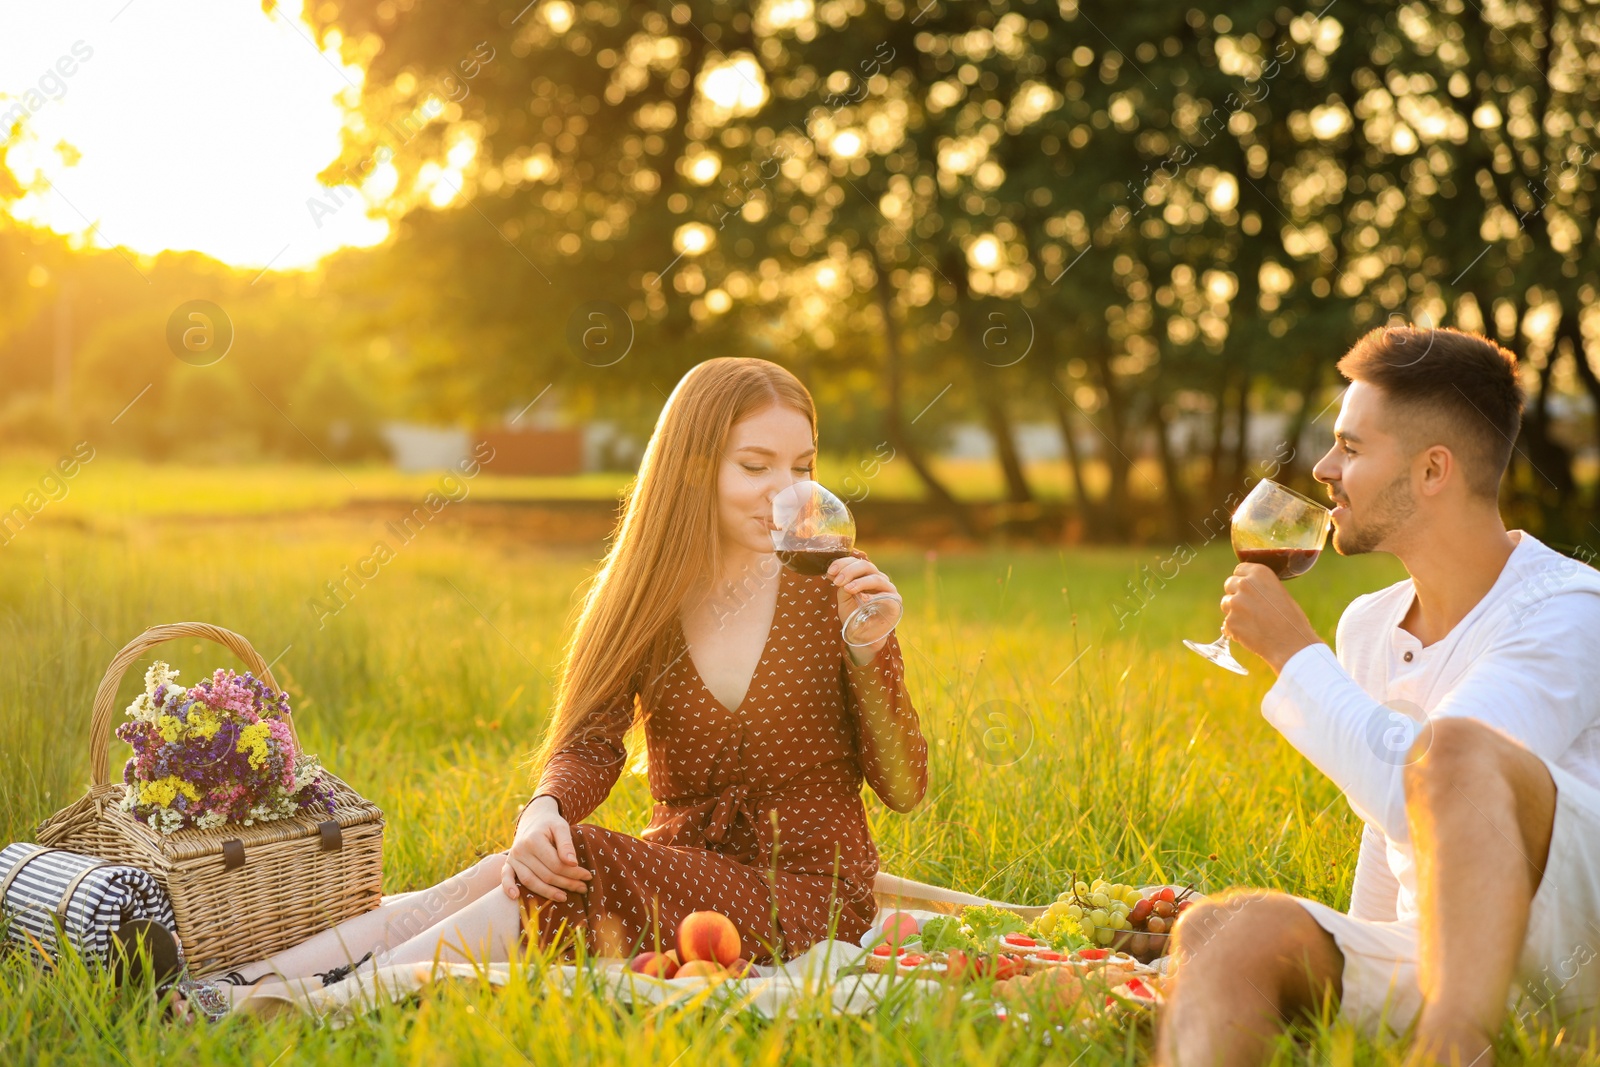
858	580
814	533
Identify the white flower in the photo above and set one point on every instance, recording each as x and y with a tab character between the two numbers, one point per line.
306	771
144	707
158	675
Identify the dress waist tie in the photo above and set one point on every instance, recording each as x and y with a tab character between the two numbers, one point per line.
721	811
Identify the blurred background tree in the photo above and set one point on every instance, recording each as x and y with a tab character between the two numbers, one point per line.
1152	227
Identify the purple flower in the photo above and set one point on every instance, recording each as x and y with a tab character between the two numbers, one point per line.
222	775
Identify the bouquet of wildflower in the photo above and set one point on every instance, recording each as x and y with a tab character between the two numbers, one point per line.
215	753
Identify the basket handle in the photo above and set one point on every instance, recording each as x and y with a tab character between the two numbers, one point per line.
106	695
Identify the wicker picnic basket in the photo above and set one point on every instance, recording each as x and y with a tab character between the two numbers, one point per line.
240	893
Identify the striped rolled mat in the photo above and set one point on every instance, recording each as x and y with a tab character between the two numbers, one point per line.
90	898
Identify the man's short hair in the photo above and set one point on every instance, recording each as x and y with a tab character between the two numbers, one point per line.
1459	389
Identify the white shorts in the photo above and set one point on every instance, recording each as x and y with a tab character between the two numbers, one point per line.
1559	971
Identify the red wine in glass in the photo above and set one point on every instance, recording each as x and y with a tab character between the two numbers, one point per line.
811	529
1279	528
1286	563
811	561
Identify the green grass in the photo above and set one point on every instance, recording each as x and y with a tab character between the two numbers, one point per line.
110	488
430	687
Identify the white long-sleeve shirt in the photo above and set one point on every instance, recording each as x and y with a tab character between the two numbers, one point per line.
1525	660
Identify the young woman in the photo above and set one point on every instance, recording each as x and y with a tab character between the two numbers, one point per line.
760	725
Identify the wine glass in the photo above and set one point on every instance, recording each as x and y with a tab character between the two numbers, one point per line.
814	528
1278	527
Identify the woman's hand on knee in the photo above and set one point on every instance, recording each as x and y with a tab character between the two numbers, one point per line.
542	857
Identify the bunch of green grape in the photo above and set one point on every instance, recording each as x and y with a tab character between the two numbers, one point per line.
1100	908
1058	922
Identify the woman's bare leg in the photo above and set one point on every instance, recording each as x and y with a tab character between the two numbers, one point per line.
488	930
485	930
384	928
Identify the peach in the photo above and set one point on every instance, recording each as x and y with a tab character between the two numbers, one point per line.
655	964
708	935
898	927
702	969
741	968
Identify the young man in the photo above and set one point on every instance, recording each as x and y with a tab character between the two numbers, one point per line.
1461	718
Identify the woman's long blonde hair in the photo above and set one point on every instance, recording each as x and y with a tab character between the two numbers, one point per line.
666	546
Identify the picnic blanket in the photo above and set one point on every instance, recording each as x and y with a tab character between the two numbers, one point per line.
811	979
89	897
827	973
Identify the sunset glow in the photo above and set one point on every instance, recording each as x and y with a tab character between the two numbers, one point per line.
181	125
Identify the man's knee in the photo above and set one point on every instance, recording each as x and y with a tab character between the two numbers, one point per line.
1453	752
1266	938
1473	772
1240	921
1450	750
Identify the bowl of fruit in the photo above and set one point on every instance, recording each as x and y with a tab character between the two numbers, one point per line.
1124	918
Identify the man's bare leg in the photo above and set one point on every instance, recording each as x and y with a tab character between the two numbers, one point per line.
1481	809
1248	962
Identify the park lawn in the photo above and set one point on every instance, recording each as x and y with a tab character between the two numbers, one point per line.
1062	743
108	488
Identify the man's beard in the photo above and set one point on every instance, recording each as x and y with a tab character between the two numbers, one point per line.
1388	511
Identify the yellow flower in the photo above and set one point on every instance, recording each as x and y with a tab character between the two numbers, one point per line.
170	728
163	791
203	722
253	739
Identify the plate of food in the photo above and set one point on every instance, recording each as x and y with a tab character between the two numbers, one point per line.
1135	921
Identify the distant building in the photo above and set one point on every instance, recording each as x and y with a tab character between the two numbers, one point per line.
537	452
526	448
426	448
1187	433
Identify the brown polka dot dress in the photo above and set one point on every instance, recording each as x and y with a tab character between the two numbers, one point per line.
758	811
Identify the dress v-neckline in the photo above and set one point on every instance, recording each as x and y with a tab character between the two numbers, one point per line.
766	646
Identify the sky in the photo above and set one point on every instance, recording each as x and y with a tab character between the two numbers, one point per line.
198	124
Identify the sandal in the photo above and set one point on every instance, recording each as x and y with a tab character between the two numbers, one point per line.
341	972
210	995
205	994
